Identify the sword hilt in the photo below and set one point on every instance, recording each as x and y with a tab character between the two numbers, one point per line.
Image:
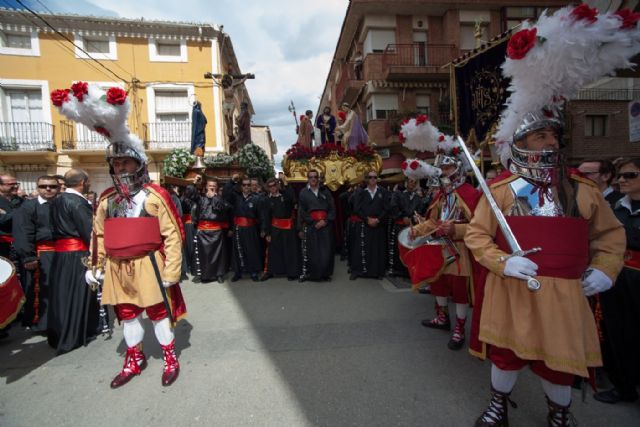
533	284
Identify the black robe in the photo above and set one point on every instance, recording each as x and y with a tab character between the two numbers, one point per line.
247	247
189	208
32	225
396	222
73	307
6	220
283	252
344	199
318	245
212	246
368	255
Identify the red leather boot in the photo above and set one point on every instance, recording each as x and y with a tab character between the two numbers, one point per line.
171	365
134	363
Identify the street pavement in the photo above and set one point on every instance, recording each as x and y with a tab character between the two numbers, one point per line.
278	353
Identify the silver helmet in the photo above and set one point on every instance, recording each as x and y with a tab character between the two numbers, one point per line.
127	184
455	179
536	165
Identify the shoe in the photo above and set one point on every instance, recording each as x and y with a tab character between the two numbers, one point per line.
614	396
134	363
220	279
441	321
236	277
197	279
497	413
265	276
254	277
558	415
171	365
353	276
457	338
425	290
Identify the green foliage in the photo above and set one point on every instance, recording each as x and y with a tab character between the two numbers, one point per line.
177	162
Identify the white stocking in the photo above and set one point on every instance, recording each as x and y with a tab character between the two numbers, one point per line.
558	394
461	310
503	381
133	331
163	331
442	301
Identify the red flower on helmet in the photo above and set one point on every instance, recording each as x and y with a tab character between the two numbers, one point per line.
80	89
455	151
629	18
441	138
521	43
584	12
404	165
414	165
421	119
116	96
59	96
102	131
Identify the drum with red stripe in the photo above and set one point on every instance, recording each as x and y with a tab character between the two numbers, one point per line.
425	257
11	295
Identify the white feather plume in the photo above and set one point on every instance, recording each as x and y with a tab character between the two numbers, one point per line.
420	136
417	169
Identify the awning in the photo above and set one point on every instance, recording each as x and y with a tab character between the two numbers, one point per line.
407	85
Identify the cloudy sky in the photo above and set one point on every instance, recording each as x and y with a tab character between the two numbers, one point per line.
287	44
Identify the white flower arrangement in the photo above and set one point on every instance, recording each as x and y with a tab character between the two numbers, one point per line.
219	160
177	162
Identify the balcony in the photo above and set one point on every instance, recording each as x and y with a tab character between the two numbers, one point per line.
607	95
26	136
417	61
350	83
79	137
167	135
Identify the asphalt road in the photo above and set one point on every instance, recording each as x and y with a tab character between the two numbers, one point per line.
277	354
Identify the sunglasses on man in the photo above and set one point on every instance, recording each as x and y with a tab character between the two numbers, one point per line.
628	175
48	187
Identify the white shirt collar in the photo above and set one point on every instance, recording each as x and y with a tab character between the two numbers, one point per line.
73	191
372	193
41	200
607	191
625	202
314	191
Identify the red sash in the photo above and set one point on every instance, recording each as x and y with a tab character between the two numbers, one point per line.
45	246
131	237
243	221
282	223
632	259
71	244
318	215
6	239
186	218
355	218
399	221
212	225
564	243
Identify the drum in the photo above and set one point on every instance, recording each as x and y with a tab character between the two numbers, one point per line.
425	257
11	294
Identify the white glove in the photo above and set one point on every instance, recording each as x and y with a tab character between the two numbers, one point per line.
520	267
93	280
167	284
595	281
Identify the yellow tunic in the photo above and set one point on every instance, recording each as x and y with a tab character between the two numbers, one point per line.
554	324
133	281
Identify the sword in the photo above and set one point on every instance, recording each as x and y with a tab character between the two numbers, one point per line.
532	283
163	291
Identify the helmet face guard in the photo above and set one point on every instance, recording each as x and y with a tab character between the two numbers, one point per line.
455	179
127	184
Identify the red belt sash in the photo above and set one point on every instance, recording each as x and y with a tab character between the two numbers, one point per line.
282	223
6	238
632	259
212	225
399	221
355	218
243	221
186	218
318	215
127	238
45	246
564	243
70	244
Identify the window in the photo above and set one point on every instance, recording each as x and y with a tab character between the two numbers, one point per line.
595	125
19	43
26	122
169	116
167	50
377	40
512	16
172	105
98	47
384	105
468	37
423	104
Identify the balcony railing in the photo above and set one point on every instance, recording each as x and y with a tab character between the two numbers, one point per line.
26	136
79	137
418	55
167	135
608	95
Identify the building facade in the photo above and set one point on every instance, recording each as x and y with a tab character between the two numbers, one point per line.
160	64
392	58
261	136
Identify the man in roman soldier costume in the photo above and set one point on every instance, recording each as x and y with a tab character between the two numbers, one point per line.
535	311
212	225
315	224
278	225
371	208
447	219
34	246
137	235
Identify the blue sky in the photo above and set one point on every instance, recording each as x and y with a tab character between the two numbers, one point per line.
287	44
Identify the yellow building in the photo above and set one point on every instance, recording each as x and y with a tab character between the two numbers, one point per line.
161	64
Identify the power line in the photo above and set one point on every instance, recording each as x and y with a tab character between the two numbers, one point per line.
71	25
70	41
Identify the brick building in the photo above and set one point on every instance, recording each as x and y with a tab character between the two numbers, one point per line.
391	61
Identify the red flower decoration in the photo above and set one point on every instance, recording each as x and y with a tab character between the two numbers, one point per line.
342	115
79	90
629	18
414	165
405	121
59	96
521	43
102	131
584	12
402	138
421	119
116	96
404	165
441	138
455	151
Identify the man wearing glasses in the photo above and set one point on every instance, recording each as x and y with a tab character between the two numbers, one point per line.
9	202
602	173
316	215
371	208
35	249
246	243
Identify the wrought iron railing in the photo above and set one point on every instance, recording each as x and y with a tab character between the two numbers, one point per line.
418	55
26	136
79	137
608	95
167	135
